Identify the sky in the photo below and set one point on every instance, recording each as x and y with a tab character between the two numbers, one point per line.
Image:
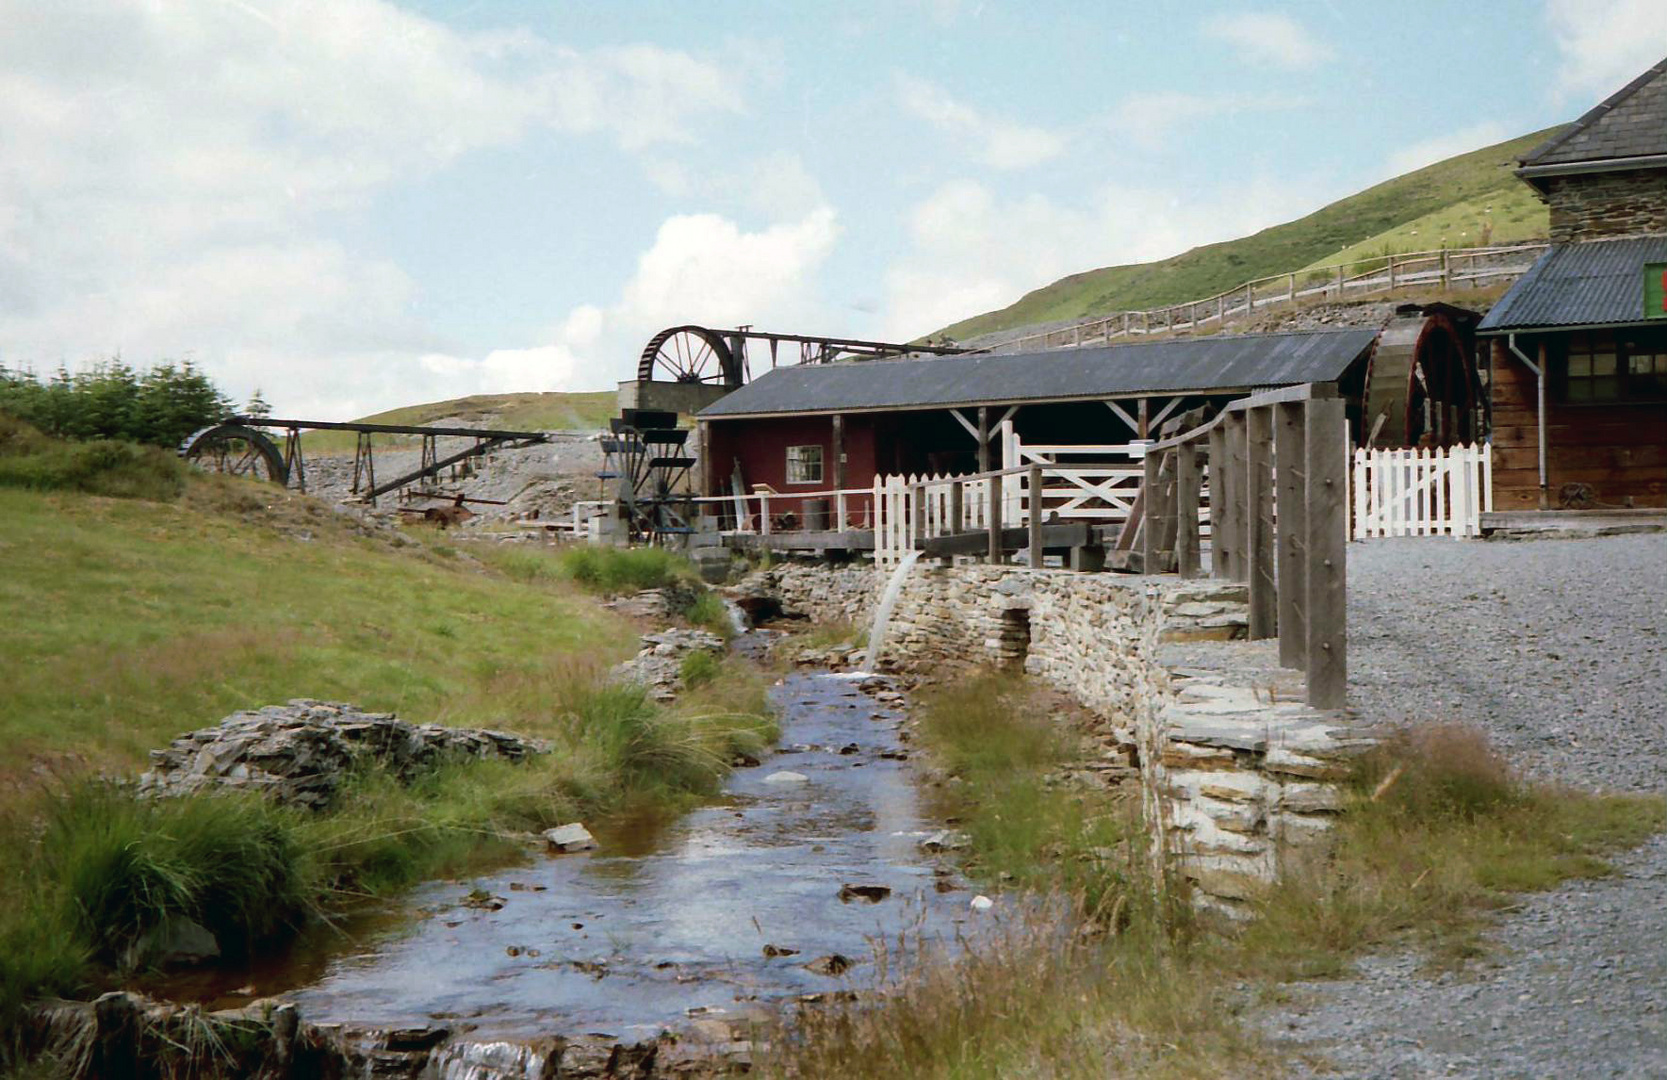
352	205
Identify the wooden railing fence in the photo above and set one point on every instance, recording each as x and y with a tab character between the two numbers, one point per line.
1444	269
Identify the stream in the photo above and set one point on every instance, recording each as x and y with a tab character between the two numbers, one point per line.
661	927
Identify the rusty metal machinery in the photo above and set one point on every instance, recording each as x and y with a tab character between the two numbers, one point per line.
240	446
646	458
700	354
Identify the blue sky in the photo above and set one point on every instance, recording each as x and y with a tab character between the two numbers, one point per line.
357	204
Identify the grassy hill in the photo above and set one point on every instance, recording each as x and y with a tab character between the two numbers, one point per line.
1437	200
515	412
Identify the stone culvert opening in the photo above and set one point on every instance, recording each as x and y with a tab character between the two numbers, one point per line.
1014	643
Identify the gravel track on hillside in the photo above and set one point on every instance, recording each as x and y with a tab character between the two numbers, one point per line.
1558	649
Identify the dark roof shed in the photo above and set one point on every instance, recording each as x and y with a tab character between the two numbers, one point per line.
1592	283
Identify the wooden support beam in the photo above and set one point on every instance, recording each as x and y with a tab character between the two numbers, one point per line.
1123	415
917	511
1228	520
838	453
972	429
983	437
1290	471
1149	519
1259	522
957	512
1144	426
1035	502
1218	498
994	551
1188	481
1327	538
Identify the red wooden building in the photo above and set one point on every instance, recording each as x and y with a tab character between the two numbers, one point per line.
1578	381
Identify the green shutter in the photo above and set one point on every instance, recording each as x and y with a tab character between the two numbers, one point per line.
1655	290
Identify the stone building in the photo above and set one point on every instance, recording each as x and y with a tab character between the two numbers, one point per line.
1578	383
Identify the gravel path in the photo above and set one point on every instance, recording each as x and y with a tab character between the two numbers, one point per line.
1557	648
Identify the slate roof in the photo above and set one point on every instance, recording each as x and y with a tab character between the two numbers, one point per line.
1630	123
1593	283
1238	362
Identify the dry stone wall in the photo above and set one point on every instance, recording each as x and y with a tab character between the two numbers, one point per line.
1596	207
1237	772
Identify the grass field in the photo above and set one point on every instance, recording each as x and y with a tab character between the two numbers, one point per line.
1446	192
131	620
511	412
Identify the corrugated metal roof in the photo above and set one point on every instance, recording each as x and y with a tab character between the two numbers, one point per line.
1632	122
1593	283
1184	365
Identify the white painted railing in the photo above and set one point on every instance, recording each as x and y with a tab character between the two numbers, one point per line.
1426	492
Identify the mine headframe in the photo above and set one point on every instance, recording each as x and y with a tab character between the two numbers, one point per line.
647	459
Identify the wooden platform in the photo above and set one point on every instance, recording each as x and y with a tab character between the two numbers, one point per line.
806	541
1572	523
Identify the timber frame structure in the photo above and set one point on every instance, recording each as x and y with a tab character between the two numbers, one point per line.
241	446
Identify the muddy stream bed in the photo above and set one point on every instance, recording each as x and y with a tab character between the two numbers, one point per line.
664	927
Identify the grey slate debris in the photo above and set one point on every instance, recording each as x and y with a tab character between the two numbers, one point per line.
300	754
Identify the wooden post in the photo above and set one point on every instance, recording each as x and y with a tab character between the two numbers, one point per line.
983	438
917	515
1187	483
1291	471
1229	518
708	477
1218	499
994	552
1149	526
1144	424
957	512
838	451
1327	538
764	513
1036	517
1292	297
1258	505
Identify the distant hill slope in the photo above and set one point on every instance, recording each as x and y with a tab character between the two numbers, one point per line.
515	412
1447	198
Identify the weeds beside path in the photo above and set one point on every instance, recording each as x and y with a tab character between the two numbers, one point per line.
1439	835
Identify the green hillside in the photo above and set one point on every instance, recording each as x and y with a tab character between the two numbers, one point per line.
1444	195
514	412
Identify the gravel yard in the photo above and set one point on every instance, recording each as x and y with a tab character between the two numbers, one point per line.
1558	649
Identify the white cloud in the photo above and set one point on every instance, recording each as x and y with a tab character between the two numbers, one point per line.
774	186
1605	44
171	169
1269	38
702	269
1152	119
1440	147
972	251
1001	144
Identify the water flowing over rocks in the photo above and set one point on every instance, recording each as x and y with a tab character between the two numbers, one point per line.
299	754
1233	767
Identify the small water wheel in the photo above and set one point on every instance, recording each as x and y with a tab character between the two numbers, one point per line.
236	450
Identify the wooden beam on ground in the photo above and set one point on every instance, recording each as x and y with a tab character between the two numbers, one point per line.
1327	540
1290	500
1259	522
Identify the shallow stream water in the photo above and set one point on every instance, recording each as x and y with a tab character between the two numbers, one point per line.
655	929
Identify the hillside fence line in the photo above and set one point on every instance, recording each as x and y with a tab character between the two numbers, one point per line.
1447	268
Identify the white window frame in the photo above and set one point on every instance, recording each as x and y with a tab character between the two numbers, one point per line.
792	461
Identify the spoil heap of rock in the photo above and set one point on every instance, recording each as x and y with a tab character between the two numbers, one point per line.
659	666
299	754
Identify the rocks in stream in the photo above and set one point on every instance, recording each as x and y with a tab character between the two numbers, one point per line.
658	667
872	894
832	965
299	754
564	839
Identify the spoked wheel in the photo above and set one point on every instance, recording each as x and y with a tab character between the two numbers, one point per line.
236	450
689	354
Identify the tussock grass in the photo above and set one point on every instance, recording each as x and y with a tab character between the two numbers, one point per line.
612	570
88	871
109	467
1109	976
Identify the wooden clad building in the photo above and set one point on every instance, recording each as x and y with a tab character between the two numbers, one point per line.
1578	381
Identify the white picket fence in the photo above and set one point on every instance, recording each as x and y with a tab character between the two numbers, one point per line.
1425	492
894	510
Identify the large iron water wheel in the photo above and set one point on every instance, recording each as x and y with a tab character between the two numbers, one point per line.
689	354
236	450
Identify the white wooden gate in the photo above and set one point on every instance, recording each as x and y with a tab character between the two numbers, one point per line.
1426	492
